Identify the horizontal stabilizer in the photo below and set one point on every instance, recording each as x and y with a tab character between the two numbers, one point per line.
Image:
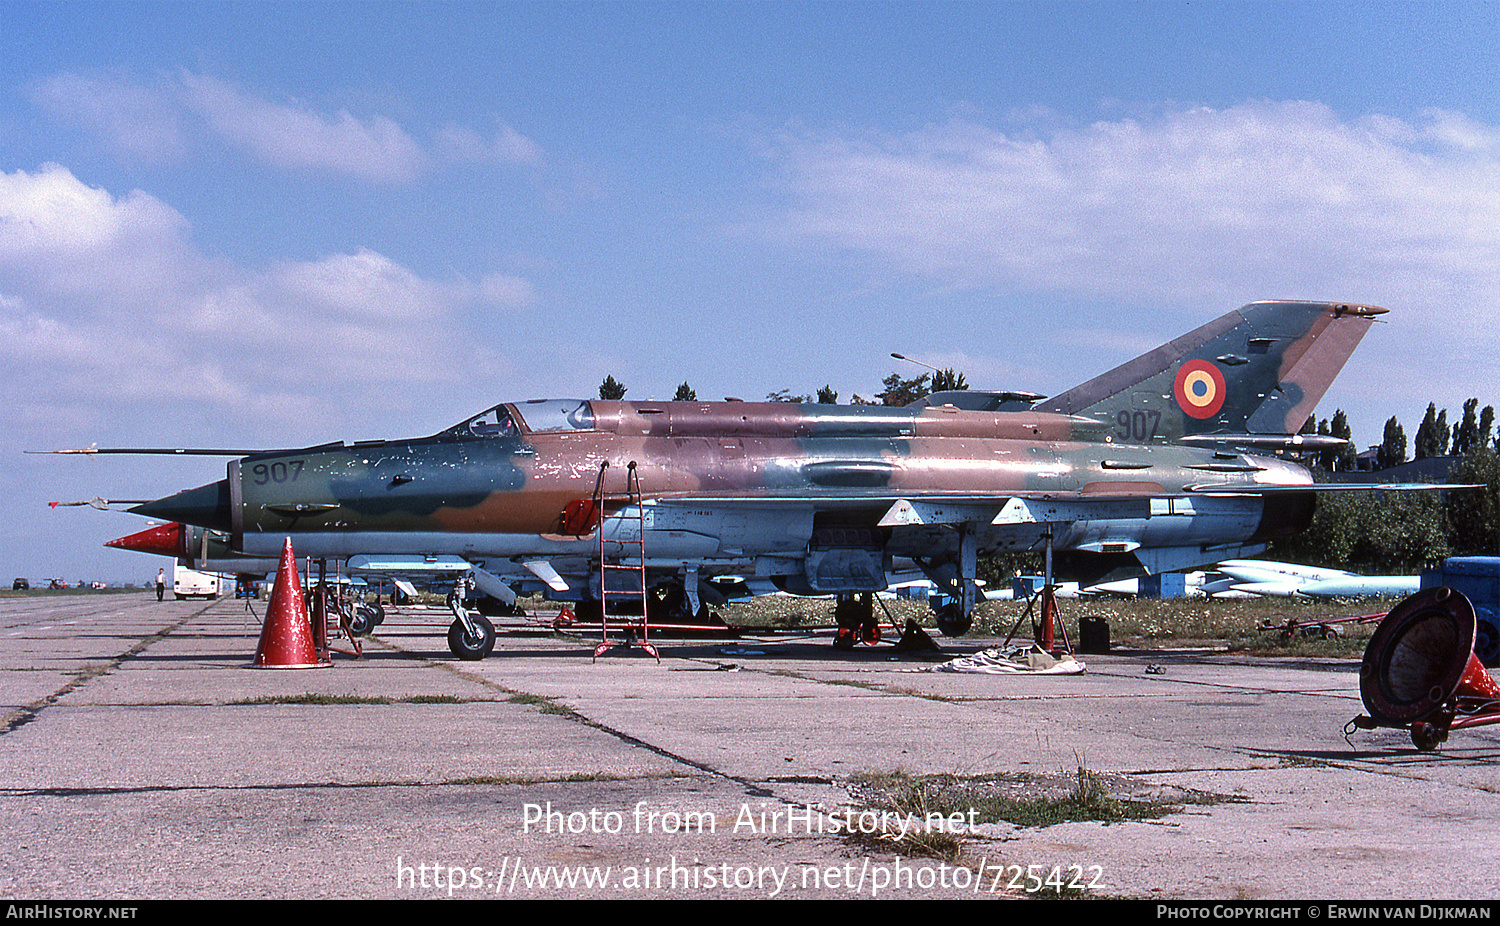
1307	442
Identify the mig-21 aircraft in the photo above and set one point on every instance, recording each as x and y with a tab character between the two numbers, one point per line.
1176	459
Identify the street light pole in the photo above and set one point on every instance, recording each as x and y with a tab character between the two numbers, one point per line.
917	362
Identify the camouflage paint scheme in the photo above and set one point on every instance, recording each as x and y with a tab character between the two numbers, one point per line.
1143	468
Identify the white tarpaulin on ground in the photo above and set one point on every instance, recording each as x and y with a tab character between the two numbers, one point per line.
1030	662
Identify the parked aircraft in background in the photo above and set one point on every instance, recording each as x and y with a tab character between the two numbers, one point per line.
684	504
1271	579
1255	578
1196	584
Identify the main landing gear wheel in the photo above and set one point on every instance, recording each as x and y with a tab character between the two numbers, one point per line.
472	648
669	604
364	619
952	620
359	622
855	615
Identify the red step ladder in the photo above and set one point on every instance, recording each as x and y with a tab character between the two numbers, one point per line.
628	560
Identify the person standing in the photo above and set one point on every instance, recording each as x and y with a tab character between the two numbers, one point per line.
161	584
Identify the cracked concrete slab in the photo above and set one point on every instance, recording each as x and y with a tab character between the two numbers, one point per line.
141	758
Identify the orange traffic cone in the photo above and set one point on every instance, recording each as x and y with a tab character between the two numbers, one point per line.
286	640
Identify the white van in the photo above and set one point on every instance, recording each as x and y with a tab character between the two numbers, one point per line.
190	583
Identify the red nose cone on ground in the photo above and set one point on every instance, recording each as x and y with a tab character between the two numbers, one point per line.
164	539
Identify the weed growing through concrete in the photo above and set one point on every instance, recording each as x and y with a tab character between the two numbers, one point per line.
543	704
312	698
1018	799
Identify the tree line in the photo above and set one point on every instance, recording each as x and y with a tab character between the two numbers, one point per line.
1435	438
1401	533
898	390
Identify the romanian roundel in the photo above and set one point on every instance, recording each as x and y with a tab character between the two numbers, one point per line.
1199	389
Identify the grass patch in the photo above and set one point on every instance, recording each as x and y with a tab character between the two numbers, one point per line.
1231	623
1302	762
543	704
1021	800
312	698
503	780
933	805
1133	623
1349	646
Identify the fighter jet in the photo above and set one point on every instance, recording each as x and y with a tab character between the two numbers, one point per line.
1181	457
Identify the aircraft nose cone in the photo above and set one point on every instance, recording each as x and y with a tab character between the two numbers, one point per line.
206	506
164	539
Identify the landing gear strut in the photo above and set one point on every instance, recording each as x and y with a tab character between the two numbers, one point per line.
471	637
956	578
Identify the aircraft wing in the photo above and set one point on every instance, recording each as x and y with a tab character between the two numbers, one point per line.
1325	487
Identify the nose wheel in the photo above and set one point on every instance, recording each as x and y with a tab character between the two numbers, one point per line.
472	645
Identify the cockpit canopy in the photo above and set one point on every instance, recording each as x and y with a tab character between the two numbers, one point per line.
535	415
556	414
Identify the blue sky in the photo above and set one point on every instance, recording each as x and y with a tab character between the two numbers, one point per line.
266	224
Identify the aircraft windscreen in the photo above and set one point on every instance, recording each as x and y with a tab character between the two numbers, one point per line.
557	414
494	423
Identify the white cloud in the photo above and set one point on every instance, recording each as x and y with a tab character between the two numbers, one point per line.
1144	228
1459	132
138	120
1265	199
364	285
508	292
294	136
507	146
49	213
71	239
164	119
108	314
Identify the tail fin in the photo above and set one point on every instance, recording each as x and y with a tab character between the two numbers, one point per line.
1259	370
